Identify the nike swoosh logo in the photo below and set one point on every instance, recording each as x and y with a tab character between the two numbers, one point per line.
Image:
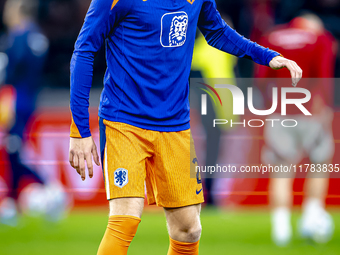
197	192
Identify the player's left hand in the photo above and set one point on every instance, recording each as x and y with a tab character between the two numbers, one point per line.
81	150
281	62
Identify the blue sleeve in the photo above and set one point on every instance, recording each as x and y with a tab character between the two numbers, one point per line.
219	35
101	19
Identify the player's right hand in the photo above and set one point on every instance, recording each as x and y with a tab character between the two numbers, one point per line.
81	150
280	62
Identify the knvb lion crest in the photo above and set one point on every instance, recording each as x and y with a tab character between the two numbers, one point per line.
174	29
178	30
121	177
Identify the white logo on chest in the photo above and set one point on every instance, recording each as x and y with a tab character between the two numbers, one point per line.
174	27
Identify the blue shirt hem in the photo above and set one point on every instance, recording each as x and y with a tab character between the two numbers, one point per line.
153	127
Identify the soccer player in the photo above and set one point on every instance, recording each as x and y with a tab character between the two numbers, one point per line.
26	51
306	39
144	109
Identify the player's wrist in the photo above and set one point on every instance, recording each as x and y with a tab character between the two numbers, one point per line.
80	136
75	133
79	131
276	57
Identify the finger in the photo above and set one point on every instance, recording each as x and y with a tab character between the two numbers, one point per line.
299	70
290	68
292	72
95	156
75	161
82	166
89	164
70	158
78	170
298	73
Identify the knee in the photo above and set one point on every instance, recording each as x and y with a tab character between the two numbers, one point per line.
190	234
193	234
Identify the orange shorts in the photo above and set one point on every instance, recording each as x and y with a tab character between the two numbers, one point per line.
134	158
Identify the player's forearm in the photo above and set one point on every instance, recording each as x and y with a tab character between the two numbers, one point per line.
219	35
81	80
91	38
228	40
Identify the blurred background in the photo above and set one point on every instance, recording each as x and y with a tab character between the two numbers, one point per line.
44	205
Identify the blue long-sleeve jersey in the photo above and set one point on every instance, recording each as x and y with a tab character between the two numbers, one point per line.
149	47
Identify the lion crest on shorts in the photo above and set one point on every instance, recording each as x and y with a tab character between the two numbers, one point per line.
121	177
178	30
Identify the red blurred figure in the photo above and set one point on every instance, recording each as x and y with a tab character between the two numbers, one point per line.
305	40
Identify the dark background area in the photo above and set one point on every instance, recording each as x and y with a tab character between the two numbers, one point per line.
61	21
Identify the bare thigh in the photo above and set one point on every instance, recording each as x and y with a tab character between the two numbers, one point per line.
132	206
